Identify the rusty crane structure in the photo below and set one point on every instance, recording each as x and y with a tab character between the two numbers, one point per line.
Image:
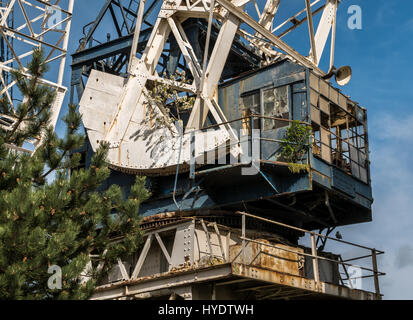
228	218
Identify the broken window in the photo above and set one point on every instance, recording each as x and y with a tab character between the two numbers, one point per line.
276	105
320	115
251	101
349	141
339	126
250	105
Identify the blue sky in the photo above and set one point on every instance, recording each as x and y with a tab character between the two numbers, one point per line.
380	56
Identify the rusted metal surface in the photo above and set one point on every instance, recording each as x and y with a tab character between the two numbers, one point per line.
181	277
275	283
199	251
301	283
163	219
270	258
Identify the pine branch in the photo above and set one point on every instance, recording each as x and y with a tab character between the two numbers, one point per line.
61	221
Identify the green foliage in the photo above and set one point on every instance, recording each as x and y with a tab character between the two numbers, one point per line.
61	222
166	96
295	145
34	113
298	167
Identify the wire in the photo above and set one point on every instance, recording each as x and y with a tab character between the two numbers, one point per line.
180	127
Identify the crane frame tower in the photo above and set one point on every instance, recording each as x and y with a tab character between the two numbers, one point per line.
221	234
26	25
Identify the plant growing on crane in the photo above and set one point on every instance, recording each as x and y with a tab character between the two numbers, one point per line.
171	101
295	146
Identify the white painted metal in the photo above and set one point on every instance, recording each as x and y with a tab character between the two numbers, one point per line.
127	116
207	237
315	261
325	26
183	246
267	16
266	19
158	145
311	30
119	111
41	25
219	240
163	248
137	33
122	268
142	257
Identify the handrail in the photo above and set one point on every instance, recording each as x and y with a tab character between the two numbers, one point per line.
314	254
306	254
306	231
246	118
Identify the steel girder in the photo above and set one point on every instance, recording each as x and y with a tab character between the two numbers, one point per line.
35	25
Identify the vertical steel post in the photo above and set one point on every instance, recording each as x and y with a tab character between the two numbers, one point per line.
204	64
243	239
315	261
65	44
227	244
136	34
376	275
333	38
311	30
192	162
250	152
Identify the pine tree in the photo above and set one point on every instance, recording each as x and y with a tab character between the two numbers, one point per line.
58	221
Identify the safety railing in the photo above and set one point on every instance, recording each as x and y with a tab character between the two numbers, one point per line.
315	255
247	127
348	154
345	155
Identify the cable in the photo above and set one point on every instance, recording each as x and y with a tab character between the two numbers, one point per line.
181	132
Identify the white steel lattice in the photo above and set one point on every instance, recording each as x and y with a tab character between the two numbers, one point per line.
124	116
38	24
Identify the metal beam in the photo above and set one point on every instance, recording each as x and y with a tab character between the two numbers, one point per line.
142	257
181	278
163	248
109	49
277	42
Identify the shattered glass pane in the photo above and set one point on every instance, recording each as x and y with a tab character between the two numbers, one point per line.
276	105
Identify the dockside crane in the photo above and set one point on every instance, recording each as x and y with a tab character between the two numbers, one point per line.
230	215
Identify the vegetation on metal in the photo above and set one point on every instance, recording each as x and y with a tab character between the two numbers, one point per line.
295	146
168	99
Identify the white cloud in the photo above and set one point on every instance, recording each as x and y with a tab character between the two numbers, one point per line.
387	126
391	147
404	256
